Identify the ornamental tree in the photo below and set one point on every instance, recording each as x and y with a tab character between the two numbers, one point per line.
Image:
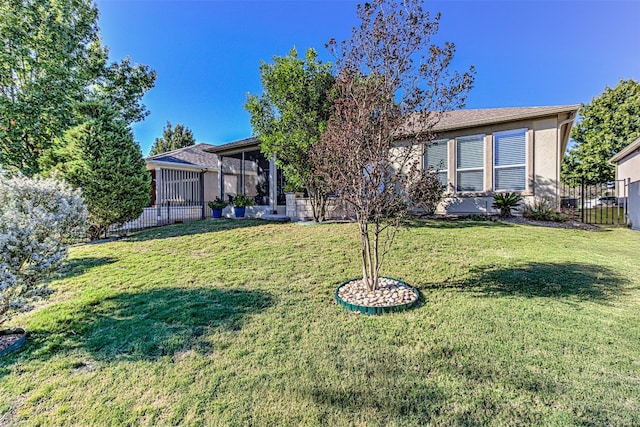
607	125
101	157
291	115
392	82
173	139
38	219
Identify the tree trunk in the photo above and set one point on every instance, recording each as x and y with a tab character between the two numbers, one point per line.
318	202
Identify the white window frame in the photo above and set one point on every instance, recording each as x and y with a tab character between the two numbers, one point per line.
526	156
439	171
483	168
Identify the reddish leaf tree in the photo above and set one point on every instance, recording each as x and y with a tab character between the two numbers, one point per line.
392	82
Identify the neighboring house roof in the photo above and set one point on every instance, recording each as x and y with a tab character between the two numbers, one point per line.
192	156
629	149
235	146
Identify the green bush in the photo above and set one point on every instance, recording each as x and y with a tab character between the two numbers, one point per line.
241	201
543	210
505	202
218	203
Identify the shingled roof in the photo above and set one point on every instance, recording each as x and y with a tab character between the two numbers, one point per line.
459	119
193	155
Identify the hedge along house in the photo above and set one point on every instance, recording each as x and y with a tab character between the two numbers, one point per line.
479	153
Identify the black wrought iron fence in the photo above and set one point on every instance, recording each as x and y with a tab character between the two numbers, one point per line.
596	203
164	213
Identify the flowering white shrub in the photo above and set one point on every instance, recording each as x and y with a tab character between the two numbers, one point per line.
39	218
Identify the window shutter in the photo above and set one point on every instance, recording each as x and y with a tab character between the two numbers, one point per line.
470	152
510	178
510	149
472	180
436	156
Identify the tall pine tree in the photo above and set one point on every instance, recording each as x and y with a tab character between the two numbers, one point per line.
173	139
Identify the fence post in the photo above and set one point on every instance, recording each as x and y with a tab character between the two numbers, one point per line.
168	212
582	200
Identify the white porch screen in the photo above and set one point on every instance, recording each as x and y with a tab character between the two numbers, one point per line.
510	160
470	163
180	187
436	157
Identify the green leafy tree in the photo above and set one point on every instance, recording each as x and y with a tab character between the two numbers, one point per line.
173	139
291	115
607	125
101	157
44	67
52	59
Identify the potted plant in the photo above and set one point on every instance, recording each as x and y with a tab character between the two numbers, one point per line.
217	206
240	202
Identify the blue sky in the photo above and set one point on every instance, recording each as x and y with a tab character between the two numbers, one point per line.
207	53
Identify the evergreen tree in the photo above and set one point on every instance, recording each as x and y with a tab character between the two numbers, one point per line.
101	157
608	124
172	139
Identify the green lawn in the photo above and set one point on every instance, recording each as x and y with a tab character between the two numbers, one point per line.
233	323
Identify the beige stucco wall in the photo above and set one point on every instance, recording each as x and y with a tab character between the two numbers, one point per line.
629	167
210	186
543	160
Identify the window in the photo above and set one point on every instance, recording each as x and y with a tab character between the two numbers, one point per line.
436	157
509	160
470	163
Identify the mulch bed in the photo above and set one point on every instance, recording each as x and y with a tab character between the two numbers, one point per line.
9	339
554	224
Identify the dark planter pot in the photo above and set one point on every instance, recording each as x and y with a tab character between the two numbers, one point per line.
239	211
217	213
17	344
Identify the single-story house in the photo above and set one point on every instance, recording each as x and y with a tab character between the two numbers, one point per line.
627	163
477	153
190	176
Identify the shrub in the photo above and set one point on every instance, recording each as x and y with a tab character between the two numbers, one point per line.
540	210
101	157
426	191
505	202
218	203
241	201
38	219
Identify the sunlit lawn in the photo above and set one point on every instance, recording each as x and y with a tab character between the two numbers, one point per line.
233	323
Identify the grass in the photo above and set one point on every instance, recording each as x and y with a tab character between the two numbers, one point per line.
233	323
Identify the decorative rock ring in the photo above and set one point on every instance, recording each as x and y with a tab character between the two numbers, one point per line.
392	295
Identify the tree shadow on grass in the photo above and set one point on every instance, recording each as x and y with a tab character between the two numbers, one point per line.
78	266
146	324
192	228
548	280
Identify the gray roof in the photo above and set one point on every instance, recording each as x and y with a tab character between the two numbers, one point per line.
635	145
194	155
459	119
235	145
451	120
